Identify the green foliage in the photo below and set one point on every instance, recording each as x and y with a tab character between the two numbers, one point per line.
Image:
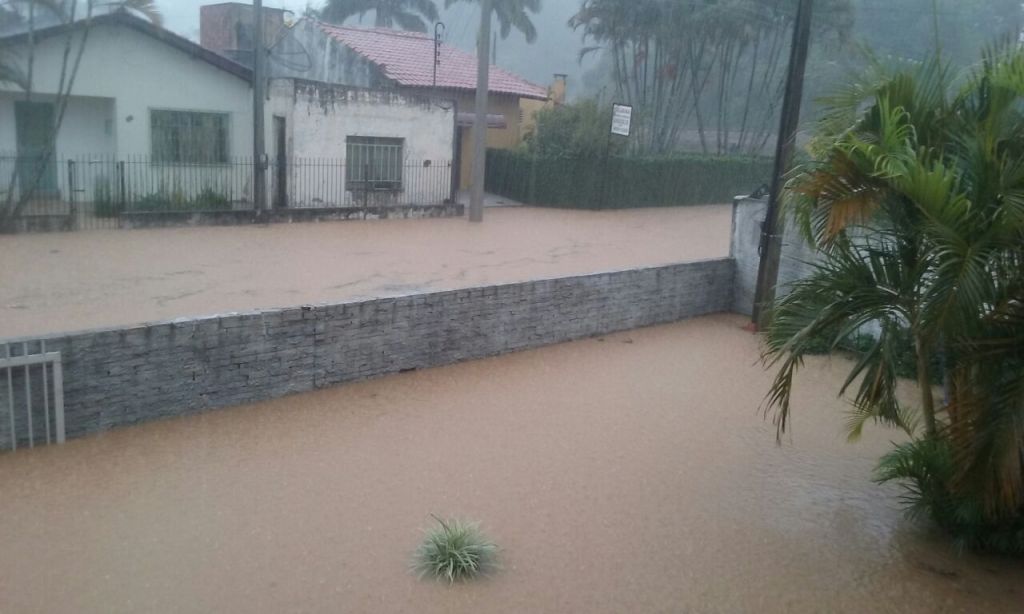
915	201
573	130
104	202
859	344
618	182
454	550
512	14
926	470
206	200
712	67
412	15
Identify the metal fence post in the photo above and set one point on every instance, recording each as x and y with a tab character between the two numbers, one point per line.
122	196
72	208
366	190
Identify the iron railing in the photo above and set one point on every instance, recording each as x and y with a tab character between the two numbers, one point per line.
32	398
100	191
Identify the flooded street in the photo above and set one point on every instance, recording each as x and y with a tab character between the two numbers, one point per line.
72	281
630	473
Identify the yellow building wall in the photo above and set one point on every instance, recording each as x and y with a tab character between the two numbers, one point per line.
528	109
497	138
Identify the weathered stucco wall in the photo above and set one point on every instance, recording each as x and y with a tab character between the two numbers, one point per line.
748	215
323	115
128	375
320	117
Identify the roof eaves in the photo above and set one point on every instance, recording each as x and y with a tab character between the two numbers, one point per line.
145	27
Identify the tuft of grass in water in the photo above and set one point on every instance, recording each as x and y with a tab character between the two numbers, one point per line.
454	550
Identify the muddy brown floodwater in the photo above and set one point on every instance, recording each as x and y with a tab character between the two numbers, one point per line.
630	473
71	281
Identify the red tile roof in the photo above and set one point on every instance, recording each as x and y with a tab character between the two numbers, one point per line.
408	57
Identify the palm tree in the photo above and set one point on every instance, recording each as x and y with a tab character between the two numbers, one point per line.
512	14
915	201
410	15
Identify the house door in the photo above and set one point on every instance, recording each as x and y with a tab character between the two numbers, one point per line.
34	126
281	169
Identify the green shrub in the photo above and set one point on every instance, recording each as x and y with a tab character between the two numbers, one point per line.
860	343
617	182
104	202
454	550
925	468
579	129
207	200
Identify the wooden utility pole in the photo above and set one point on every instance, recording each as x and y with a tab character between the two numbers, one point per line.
771	233
483	43
259	82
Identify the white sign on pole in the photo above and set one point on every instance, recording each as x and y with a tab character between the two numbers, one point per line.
622	118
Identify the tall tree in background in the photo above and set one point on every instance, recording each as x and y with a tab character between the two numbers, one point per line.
17	66
512	14
412	15
716	66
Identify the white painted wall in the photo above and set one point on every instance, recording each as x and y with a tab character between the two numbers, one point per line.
321	116
136	73
88	127
125	74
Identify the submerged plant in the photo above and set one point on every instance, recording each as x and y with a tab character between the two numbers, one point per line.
454	550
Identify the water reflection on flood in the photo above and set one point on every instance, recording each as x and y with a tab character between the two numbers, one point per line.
631	473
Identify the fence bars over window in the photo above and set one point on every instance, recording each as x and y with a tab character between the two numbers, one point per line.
189	136
374	163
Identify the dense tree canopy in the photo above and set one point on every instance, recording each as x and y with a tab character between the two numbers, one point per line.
716	66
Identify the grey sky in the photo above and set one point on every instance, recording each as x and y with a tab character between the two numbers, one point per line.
554	51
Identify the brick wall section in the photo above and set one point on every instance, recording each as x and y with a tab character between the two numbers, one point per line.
128	375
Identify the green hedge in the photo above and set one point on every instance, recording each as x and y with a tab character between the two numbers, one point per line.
620	182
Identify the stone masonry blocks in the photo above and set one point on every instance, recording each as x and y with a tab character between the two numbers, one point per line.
133	374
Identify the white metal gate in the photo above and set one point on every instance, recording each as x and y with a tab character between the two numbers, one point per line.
34	382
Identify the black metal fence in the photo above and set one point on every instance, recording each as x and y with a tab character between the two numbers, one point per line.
619	182
98	191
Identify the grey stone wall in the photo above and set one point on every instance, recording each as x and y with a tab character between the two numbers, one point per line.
747	217
128	375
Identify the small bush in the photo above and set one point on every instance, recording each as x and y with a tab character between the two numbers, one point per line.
859	344
106	205
926	470
206	200
454	550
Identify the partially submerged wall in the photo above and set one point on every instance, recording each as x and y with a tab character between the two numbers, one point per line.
748	216
128	375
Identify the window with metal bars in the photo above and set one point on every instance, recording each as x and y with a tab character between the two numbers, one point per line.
189	136
373	163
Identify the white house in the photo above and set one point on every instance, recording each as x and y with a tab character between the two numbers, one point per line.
139	89
394	147
156	118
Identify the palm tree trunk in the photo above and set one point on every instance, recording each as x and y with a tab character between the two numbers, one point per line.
925	385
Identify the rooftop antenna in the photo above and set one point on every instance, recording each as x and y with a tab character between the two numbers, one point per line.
439	29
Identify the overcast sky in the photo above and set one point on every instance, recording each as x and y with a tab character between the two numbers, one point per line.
555	50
